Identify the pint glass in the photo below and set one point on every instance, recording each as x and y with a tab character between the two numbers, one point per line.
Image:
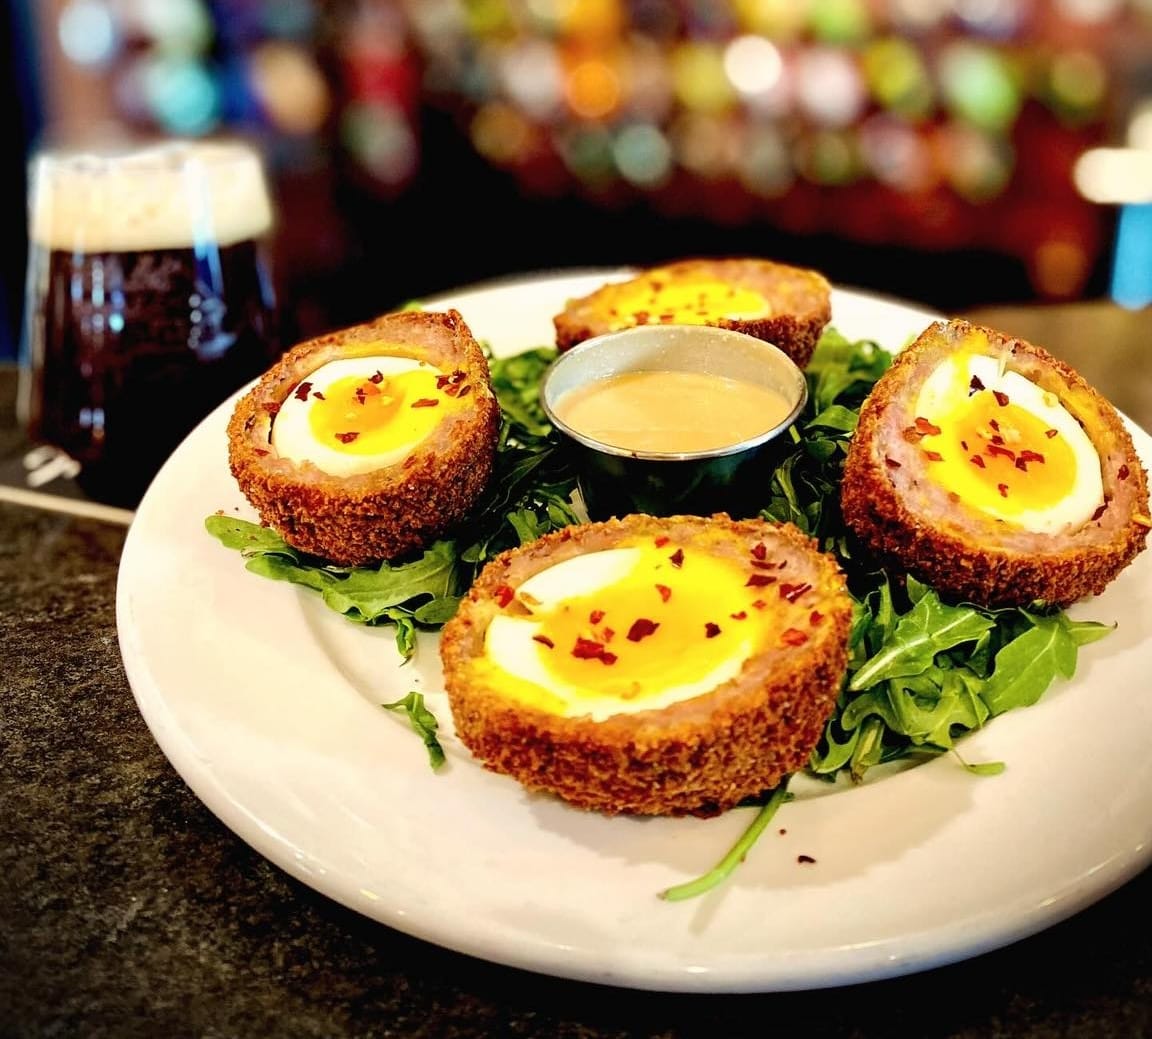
149	300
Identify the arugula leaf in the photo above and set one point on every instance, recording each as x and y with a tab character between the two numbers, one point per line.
930	627
423	723
736	854
1028	665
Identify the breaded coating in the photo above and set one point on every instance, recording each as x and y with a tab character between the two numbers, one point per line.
964	552
391	511
783	305
698	756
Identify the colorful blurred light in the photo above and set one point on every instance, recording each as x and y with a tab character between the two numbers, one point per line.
828	86
592	87
898	78
643	155
532	78
979	86
181	93
699	77
753	64
88	33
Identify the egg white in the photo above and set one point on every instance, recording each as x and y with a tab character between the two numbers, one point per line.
509	644
292	436
950	381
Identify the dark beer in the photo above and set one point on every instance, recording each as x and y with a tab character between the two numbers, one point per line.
133	334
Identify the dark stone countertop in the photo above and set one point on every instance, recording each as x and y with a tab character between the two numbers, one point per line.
128	910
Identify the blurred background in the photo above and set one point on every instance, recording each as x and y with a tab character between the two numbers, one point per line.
952	152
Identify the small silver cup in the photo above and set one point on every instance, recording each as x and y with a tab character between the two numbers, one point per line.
616	481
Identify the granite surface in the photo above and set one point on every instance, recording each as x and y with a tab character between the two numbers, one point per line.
128	910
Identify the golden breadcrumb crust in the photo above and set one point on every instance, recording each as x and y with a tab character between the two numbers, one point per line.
800	301
700	756
396	509
961	551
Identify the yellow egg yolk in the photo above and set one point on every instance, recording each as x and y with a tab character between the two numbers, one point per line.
1002	456
374	414
652	627
656	301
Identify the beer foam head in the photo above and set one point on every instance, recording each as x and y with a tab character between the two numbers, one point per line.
172	195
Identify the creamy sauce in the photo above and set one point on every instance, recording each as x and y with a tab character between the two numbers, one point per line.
672	411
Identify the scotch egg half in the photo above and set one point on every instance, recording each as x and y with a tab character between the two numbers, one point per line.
370	442
650	666
786	306
988	468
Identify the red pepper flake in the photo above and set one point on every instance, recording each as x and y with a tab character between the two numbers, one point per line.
759	550
793	637
805	859
1003	489
641	628
1006	452
891	463
1050	433
977	461
271	406
596	616
1022	464
662	540
963	445
763	564
425	402
759	580
815	617
677	558
347	438
608	634
260	451
665	592
927	428
442	381
319	396
742	615
504	595
303	390
792	592
913	435
975	385
376	378
1001	397
1122	472
361	396
1100	511
711	630
759	604
544	640
934	456
1031	456
589	649
465	390
994	424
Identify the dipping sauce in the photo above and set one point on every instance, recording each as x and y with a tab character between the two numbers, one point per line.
672	412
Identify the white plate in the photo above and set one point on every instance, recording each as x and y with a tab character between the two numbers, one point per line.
267	704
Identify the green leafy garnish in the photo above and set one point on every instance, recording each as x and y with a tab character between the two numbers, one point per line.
727	865
423	723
